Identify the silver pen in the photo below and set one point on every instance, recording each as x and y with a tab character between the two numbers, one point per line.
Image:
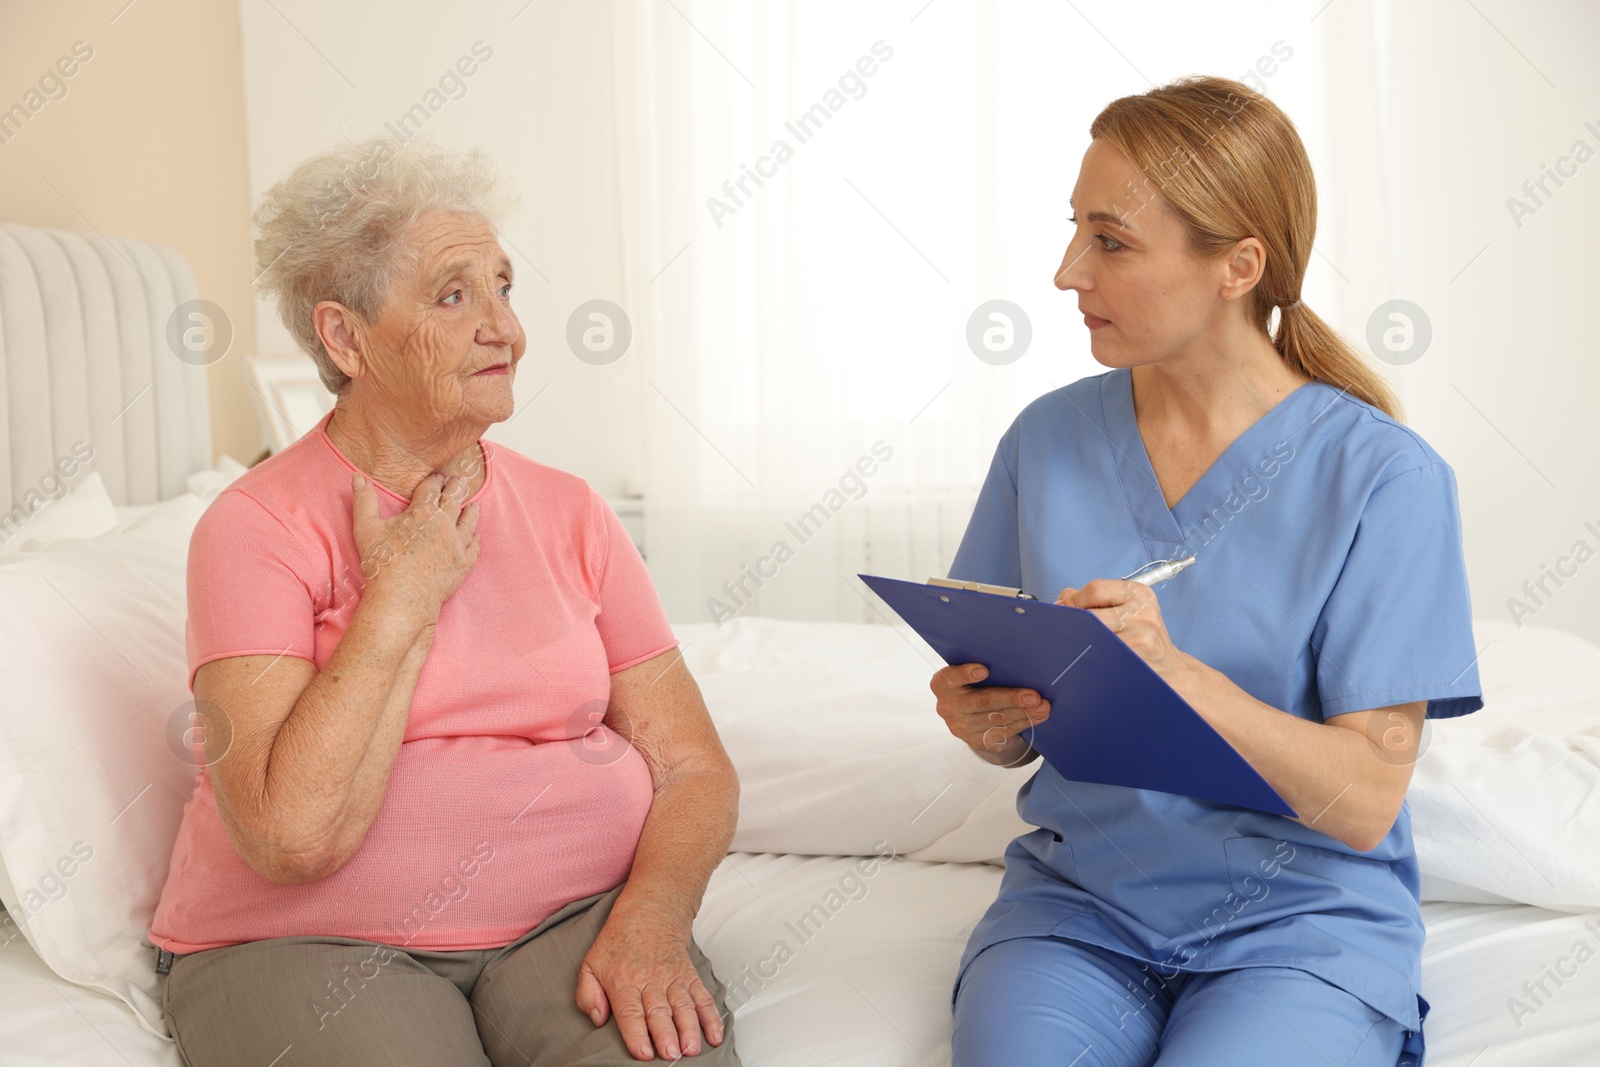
1159	570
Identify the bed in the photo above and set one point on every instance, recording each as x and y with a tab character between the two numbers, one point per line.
869	840
872	987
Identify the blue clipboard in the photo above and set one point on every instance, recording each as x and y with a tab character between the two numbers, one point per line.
1113	719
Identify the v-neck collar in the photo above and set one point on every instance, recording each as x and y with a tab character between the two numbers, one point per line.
1161	527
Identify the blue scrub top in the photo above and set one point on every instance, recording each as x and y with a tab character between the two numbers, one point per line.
1328	578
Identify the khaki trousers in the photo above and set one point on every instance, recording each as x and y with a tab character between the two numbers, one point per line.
315	1001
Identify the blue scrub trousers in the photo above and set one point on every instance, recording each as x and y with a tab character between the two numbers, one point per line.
1051	1002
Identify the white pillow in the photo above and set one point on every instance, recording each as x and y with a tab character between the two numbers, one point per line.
1505	803
203	484
91	786
85	510
207	484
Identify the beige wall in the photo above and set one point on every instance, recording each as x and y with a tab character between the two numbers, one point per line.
542	105
147	142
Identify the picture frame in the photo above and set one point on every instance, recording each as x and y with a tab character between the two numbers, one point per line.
289	398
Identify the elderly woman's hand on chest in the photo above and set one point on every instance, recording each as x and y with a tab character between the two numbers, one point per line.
423	554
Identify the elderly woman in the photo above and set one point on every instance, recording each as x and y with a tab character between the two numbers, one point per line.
461	795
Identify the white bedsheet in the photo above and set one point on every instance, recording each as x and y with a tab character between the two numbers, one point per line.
45	1020
870	984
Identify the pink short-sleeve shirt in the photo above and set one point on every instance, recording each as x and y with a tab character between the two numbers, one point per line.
509	797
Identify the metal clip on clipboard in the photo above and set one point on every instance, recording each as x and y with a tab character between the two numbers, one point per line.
1151	573
982	587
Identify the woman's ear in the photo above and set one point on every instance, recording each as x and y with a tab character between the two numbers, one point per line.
1244	267
341	333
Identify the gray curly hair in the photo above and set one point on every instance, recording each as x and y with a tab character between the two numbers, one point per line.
334	229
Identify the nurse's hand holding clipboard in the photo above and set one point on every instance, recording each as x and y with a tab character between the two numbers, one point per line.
990	720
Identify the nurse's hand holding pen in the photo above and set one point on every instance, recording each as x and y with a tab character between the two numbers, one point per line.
1129	609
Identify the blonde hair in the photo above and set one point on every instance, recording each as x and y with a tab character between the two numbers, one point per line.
334	229
1229	164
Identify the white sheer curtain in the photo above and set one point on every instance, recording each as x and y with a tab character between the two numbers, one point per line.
914	162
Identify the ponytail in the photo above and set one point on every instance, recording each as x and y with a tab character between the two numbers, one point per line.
1313	348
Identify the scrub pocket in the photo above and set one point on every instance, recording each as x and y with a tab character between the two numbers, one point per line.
1059	858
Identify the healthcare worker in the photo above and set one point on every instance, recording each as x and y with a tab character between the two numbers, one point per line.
1326	612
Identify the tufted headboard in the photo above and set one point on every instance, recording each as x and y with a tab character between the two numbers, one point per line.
84	356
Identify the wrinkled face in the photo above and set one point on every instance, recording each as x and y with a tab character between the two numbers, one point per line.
445	347
1144	293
